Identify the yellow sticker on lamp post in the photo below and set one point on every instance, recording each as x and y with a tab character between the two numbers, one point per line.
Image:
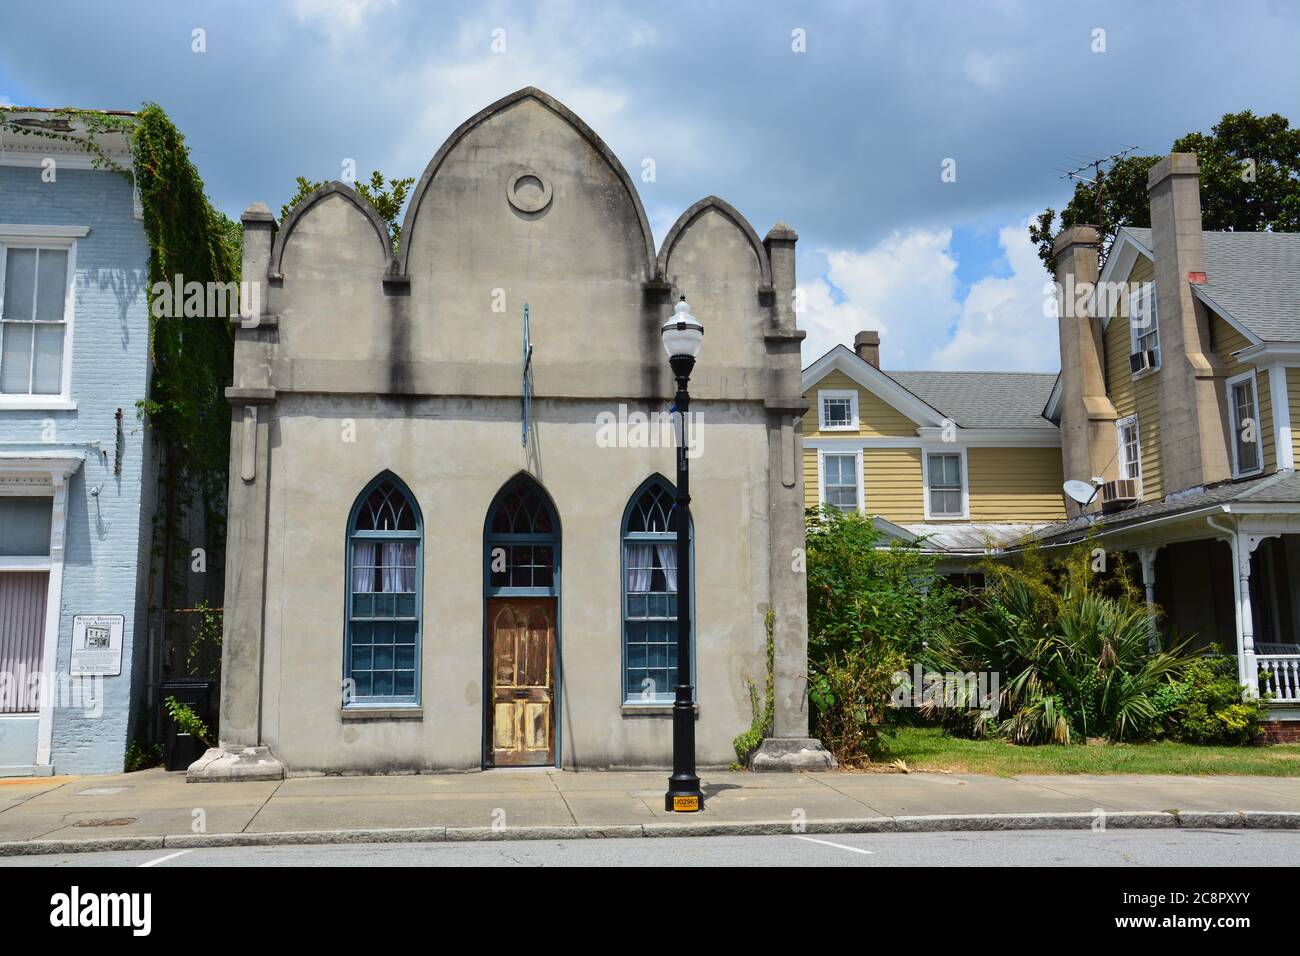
686	804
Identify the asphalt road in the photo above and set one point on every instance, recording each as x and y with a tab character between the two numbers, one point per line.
1020	848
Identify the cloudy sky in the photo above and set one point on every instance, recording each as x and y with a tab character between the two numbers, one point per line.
844	140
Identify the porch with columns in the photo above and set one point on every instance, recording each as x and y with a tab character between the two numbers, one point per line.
1229	581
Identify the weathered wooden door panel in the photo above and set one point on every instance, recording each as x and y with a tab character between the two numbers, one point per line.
522	643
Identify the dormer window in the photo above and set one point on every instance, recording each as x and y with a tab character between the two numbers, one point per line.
837	410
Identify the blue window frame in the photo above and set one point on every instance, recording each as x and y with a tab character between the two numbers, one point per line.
381	657
649	595
522	543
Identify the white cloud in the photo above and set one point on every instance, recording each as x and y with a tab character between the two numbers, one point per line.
906	288
1002	325
530	51
988	70
338	19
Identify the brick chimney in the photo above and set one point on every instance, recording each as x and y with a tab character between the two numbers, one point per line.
1193	414
867	345
1088	439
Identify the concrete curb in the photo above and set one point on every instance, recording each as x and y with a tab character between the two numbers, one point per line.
940	823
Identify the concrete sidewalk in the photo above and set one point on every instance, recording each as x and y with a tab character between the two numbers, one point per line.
154	809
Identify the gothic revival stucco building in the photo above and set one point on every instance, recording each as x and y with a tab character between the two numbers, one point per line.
439	559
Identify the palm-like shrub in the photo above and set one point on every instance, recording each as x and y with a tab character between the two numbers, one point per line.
1071	649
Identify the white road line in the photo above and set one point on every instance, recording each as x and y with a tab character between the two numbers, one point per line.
838	846
164	859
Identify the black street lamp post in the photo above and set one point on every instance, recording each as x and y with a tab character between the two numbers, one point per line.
682	336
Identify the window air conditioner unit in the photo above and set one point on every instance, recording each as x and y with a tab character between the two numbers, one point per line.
1119	494
1141	361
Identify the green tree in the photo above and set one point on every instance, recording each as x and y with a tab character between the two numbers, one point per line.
864	596
872	611
1250	181
387	196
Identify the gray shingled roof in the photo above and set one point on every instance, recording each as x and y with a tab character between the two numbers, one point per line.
983	399
1281	487
1254	277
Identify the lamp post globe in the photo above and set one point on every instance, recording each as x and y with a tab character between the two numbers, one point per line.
683	336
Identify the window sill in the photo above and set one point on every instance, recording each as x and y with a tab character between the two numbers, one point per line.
1145	373
653	710
947	517
37	403
839	428
381	713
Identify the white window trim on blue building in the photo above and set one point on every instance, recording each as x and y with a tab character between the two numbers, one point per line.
62	238
42	475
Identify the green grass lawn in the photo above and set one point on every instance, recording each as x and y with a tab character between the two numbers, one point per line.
927	748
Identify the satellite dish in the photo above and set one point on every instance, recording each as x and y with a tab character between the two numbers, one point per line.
1081	492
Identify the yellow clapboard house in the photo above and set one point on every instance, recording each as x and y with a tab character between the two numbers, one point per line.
961	462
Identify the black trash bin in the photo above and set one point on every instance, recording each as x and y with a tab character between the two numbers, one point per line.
180	749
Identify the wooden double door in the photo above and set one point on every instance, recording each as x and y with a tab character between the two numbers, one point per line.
521	718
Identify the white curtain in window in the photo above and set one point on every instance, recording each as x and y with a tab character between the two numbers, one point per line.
399	566
639	567
363	567
668	561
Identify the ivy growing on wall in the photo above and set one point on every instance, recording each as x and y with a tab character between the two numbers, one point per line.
191	357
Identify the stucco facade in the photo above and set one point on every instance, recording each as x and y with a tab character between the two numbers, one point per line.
366	360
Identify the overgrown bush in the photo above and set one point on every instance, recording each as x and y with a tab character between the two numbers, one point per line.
864	596
1070	646
870	611
1205	706
850	693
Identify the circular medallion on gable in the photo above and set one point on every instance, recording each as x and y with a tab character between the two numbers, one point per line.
529	191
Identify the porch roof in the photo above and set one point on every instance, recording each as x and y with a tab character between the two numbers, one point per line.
1280	488
969	538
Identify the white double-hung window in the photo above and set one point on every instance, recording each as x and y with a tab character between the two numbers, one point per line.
1144	321
841	480
1243	412
1130	447
36	311
945	485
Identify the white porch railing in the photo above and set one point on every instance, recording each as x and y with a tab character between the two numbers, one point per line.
1279	675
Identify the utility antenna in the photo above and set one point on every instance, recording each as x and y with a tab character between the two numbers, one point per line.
1100	168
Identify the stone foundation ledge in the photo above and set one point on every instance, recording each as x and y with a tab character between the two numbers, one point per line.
227	766
791	755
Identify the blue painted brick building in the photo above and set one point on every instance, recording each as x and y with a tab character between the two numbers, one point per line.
77	482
